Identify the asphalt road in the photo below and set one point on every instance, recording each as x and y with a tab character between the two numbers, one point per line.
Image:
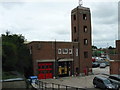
101	70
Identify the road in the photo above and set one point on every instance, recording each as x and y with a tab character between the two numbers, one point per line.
101	70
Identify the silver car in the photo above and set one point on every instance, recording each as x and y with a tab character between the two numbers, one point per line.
103	65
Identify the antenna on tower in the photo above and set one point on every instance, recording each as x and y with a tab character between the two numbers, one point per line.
80	3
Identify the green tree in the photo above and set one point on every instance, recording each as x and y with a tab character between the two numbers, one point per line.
94	47
110	47
16	56
9	58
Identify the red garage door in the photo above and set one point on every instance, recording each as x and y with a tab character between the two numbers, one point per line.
45	70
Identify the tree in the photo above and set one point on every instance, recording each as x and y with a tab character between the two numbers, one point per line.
110	47
16	56
94	47
9	58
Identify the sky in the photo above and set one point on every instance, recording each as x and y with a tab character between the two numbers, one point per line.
50	20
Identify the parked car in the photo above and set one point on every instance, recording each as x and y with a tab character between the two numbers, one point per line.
33	79
107	63
93	59
102	65
104	83
115	79
95	64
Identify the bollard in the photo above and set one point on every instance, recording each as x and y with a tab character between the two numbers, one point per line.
52	86
66	87
42	85
58	86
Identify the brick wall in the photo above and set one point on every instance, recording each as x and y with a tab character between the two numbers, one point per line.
118	48
115	67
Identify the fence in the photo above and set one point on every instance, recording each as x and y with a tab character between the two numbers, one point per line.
53	86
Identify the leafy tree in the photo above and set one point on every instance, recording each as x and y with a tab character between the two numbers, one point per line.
110	47
96	53
111	50
9	56
94	47
16	56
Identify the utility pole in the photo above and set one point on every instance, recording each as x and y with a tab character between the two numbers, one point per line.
73	60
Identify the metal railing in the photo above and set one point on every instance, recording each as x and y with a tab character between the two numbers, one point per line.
53	86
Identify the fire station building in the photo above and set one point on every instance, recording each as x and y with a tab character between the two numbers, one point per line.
53	59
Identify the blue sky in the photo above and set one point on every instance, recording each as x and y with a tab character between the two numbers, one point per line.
49	20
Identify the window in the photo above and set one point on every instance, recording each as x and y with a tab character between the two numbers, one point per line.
107	81
76	51
74	17
84	17
85	54
59	51
85	28
74	29
75	40
85	41
46	66
31	50
77	70
99	80
65	51
43	67
38	46
70	51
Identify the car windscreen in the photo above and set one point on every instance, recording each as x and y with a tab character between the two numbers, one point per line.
107	81
95	63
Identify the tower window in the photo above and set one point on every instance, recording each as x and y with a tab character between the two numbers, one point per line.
74	17
74	29
85	54
75	40
84	17
85	41
31	50
85	29
76	51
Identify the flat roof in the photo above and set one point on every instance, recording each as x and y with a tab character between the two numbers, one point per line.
50	42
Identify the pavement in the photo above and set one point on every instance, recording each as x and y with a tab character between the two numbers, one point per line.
79	81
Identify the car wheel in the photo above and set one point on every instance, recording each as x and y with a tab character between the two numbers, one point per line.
95	86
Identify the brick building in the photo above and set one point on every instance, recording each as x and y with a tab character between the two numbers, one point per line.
118	49
115	64
52	59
